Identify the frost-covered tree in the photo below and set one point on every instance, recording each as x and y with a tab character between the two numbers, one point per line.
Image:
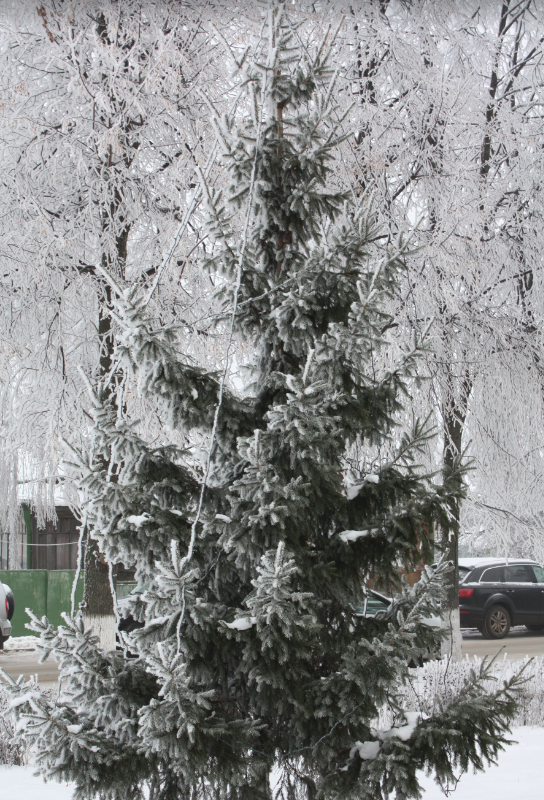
99	125
449	131
254	673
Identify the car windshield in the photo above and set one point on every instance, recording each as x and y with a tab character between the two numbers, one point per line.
375	604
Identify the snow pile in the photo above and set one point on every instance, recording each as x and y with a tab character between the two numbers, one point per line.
352	488
370	749
138	519
352	536
21	643
20	783
241	624
518	773
402	732
366	750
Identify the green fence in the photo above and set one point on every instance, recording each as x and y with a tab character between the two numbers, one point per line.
45	592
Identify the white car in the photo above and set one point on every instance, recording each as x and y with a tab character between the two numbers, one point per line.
7	607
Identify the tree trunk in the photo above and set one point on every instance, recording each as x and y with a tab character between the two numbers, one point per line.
98	603
98	609
454	414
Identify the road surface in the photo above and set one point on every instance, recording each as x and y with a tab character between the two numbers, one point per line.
517	644
25	663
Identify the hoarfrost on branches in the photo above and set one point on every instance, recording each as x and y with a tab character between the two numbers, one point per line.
305	274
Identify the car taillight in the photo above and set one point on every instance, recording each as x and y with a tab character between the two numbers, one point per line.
465	592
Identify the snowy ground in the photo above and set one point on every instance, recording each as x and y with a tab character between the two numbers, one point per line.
518	774
19	783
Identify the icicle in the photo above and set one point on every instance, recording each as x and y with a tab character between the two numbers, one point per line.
82	528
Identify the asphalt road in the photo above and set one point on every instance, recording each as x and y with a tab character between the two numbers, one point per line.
517	644
26	663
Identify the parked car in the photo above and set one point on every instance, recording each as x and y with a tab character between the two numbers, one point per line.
466	565
374	602
7	608
497	594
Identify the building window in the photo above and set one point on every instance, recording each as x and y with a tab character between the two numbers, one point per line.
21	546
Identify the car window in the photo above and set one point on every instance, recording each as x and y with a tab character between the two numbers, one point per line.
463	572
539	573
493	575
140	588
375	604
519	573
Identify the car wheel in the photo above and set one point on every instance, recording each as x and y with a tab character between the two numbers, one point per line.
535	628
497	623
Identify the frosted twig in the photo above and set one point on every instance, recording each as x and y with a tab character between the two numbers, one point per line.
82	528
116	608
182	227
309	360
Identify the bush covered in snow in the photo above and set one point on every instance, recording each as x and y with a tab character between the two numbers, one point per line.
12	750
440	681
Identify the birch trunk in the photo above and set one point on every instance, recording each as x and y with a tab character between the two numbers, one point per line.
98	604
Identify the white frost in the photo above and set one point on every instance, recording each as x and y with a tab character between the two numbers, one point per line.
18	701
291	385
242	623
223	518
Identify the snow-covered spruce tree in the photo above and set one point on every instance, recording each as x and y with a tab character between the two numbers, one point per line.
254	672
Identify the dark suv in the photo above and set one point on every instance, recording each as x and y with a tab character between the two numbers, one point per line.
495	596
